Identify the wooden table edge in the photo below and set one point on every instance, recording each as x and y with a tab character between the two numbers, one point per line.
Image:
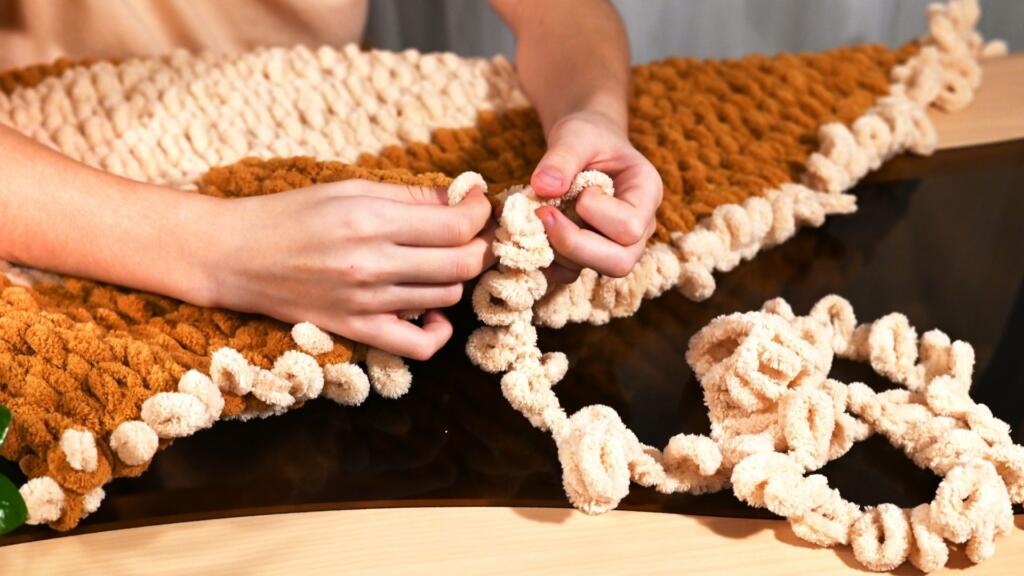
997	112
458	540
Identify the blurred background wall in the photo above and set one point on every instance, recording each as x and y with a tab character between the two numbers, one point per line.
701	28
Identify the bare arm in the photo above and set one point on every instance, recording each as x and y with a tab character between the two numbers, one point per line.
570	55
572	58
60	215
347	256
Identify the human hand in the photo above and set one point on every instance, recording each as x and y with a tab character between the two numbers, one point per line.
621	224
349	256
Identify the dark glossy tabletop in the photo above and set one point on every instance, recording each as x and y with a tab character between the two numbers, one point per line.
939	239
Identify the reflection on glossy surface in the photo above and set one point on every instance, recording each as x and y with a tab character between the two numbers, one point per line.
945	249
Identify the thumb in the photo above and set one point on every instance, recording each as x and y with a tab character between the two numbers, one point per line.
564	159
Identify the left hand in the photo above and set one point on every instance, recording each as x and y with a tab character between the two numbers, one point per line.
621	224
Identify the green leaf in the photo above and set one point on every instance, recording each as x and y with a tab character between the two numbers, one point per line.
12	508
5	423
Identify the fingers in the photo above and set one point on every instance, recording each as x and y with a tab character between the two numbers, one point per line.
613	217
640	186
567	155
392	334
430	265
412	215
405	193
586	247
625	217
433	225
394	297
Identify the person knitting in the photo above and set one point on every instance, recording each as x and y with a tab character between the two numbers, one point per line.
350	256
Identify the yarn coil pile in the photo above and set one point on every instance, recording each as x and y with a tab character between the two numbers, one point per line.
776	417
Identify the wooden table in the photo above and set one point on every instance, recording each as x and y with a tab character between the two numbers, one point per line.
458	541
997	112
448	480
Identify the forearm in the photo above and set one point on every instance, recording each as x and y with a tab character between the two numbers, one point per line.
573	62
571	56
60	215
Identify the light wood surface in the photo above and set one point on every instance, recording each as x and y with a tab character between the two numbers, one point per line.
995	115
459	541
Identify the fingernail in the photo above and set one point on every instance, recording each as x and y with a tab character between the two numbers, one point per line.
549	179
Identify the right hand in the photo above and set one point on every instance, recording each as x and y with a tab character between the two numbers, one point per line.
349	256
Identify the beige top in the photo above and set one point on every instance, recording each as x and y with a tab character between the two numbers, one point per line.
38	31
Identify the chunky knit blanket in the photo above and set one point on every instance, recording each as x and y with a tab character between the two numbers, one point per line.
100	377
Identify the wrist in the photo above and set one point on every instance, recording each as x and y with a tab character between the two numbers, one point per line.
610	105
188	246
605	109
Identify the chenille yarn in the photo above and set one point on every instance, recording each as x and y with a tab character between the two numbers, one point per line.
749	150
